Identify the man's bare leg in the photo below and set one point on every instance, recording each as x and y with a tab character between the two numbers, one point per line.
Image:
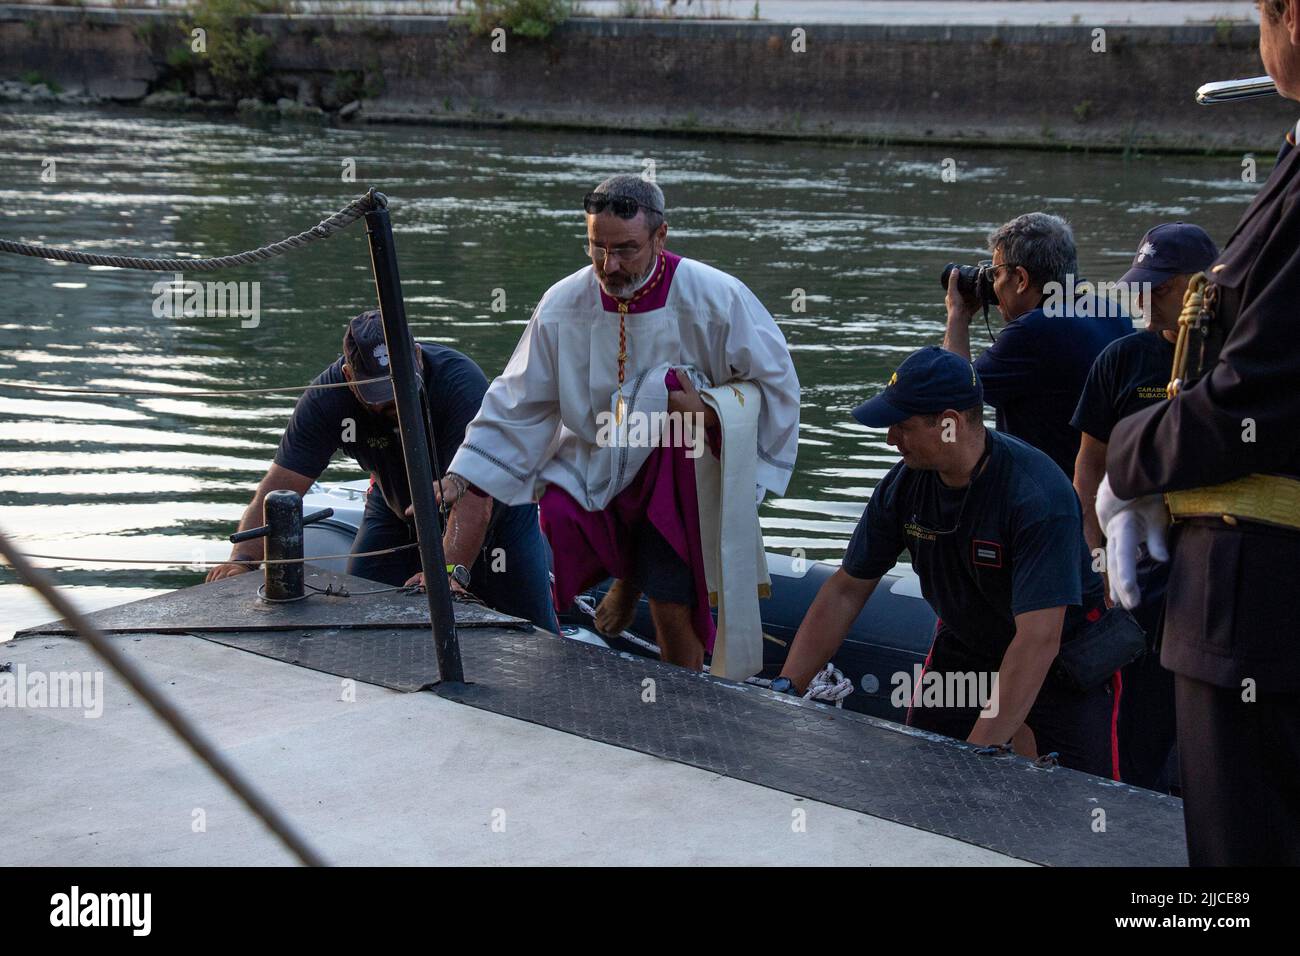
678	643
617	608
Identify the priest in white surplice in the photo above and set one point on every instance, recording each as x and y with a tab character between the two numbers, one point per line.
608	349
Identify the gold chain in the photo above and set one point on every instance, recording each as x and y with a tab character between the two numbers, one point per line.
623	305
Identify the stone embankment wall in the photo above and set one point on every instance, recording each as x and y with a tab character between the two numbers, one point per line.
1032	86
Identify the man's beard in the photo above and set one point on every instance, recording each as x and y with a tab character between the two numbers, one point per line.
625	289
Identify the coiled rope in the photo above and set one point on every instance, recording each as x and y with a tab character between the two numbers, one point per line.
829	685
322	230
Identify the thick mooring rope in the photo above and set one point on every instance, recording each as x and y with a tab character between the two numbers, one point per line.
180	393
322	230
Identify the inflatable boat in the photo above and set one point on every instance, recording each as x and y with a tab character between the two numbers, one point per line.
890	637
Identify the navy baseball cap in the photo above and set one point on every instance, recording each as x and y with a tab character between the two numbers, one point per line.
366	351
1171	249
929	380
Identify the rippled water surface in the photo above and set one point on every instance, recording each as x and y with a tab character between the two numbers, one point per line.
863	231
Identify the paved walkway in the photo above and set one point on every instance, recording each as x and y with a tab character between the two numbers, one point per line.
385	779
955	12
897	12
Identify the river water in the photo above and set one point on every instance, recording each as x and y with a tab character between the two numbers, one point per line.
863	230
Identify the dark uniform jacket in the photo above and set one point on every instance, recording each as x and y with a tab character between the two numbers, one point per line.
1230	608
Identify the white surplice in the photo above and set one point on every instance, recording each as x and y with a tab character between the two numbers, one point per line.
538	424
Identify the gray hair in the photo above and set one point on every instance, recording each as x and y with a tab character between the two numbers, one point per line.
1041	243
650	196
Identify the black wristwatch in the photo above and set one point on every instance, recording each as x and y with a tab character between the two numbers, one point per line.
783	685
460	574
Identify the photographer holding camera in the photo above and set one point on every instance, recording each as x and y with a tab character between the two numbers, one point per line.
1034	372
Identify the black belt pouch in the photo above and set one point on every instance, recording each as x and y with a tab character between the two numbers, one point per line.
1102	648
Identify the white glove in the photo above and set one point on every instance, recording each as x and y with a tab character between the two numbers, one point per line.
1127	524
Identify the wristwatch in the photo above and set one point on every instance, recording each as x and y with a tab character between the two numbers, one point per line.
783	685
459	573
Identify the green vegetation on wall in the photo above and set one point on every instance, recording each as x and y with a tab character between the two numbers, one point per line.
526	18
233	51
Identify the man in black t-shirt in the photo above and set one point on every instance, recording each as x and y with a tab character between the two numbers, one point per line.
1132	374
995	535
498	550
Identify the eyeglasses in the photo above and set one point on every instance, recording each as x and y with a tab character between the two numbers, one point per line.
961	512
624	253
988	265
622	206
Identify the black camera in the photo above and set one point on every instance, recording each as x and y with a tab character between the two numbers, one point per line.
975	282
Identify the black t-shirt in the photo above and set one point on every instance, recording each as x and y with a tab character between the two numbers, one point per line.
1019	546
1034	372
331	419
1129	375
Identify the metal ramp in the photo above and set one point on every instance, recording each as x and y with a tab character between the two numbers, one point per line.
1004	804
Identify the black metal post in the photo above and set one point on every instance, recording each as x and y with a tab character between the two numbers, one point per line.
419	470
282	515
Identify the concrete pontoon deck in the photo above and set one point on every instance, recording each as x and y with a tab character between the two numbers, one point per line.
555	753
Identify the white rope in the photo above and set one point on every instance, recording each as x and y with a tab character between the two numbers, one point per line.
584	604
830	685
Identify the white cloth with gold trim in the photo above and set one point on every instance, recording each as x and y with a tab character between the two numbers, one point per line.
731	538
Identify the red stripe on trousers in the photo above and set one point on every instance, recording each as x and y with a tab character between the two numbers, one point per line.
924	667
1117	684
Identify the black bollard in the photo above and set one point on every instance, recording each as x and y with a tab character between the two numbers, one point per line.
282	514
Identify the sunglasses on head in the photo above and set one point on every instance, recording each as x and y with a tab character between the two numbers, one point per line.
621	206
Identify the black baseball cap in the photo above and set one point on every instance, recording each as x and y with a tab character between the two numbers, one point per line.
1171	249
366	351
929	380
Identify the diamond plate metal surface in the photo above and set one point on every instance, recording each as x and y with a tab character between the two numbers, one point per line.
834	756
232	604
400	659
